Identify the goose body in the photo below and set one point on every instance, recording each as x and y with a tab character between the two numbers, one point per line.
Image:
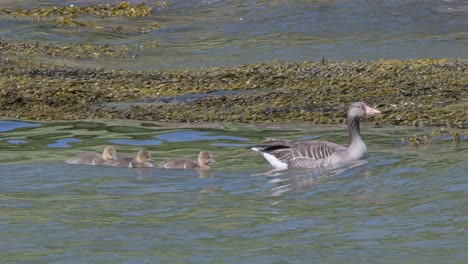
108	154
202	163
284	154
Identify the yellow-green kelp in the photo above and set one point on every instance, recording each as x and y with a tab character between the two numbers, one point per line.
414	92
92	16
67	51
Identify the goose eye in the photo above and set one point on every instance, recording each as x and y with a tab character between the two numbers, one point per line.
358	106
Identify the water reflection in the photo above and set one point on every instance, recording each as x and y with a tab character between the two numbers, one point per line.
12	125
16	141
64	143
135	142
205	174
298	179
369	209
191	135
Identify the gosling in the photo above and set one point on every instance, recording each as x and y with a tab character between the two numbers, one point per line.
108	154
205	158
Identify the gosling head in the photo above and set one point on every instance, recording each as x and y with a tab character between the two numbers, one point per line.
109	153
144	156
205	158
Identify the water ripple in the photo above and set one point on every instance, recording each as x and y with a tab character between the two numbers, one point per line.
402	205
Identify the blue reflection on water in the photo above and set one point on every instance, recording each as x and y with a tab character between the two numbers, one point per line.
17	141
228	145
135	142
63	143
308	138
12	125
191	135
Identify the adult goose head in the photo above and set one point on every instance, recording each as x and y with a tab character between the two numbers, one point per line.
355	112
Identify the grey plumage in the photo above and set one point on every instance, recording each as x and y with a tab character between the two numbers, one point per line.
143	160
108	154
313	154
86	159
203	161
122	162
305	154
179	164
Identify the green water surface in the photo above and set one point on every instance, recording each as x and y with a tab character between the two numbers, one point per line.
403	206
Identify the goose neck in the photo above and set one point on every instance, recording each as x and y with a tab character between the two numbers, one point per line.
354	130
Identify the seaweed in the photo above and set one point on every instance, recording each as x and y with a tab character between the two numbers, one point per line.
424	92
91	16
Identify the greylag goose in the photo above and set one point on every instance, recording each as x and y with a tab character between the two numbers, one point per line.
108	154
284	154
203	162
143	160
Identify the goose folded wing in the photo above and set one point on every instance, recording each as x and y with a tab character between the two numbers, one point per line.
299	153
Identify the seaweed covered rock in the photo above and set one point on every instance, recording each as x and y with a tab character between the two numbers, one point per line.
414	92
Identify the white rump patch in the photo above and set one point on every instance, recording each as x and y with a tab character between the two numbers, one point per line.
274	161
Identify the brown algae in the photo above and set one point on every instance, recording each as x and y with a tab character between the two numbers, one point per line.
426	92
92	16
